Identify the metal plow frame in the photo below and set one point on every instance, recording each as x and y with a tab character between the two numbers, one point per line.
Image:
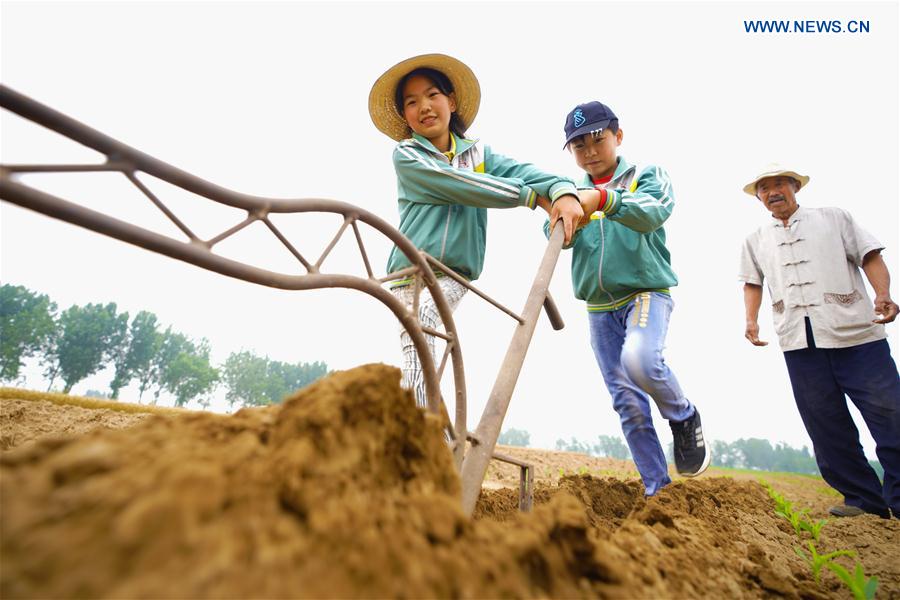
471	459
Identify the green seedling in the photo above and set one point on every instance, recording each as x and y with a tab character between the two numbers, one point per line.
813	528
863	588
794	517
582	470
817	561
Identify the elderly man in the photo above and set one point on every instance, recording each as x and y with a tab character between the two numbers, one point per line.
833	342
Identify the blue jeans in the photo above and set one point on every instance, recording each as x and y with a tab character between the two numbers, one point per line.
821	378
628	345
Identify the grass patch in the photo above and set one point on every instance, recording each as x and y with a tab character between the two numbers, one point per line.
8	393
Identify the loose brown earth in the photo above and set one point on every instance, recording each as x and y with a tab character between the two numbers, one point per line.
348	490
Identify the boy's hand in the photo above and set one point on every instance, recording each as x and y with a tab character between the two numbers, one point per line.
567	208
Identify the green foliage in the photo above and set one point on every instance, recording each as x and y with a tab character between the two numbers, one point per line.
87	337
27	327
758	454
784	509
135	355
794	517
862	588
187	373
169	346
253	380
816	561
814	529
515	437
612	446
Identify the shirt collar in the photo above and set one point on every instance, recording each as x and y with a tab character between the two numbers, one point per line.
797	216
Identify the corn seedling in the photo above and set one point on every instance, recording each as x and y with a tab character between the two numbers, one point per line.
816	561
863	588
794	517
813	528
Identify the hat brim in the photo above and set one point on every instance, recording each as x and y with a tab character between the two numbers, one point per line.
595	126
382	106
750	188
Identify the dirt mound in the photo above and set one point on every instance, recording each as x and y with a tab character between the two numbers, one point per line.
348	490
23	421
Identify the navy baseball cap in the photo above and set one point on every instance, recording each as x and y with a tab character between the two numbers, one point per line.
589	117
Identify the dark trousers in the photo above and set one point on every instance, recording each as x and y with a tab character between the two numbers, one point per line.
867	374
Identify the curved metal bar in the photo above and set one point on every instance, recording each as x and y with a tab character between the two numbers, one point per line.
197	253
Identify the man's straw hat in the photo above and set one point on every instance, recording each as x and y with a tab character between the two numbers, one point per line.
383	110
775	170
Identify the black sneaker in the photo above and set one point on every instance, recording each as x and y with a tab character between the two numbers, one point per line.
845	510
691	452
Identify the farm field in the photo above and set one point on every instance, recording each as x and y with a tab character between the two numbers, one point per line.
347	490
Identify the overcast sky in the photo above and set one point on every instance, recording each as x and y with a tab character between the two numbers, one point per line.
270	99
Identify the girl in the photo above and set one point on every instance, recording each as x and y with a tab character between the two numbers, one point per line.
445	182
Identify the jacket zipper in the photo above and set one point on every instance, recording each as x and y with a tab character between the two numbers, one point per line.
446	231
600	268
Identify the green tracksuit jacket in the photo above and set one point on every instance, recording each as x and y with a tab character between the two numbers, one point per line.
623	251
443	202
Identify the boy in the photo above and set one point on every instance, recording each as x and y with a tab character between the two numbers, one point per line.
621	268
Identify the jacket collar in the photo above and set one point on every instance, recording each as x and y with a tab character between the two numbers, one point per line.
622	169
462	144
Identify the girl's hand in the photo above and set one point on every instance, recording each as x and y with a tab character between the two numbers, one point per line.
567	208
543	202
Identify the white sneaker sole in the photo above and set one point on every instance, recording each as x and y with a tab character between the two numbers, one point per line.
706	458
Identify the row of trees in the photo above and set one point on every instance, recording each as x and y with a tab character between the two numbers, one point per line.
606	445
83	340
750	453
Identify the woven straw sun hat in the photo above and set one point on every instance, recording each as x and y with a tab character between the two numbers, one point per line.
774	170
383	110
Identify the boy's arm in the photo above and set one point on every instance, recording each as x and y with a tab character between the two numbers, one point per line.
425	180
647	207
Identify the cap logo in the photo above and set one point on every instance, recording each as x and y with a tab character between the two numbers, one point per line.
578	118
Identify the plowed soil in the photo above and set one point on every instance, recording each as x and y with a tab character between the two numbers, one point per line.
348	490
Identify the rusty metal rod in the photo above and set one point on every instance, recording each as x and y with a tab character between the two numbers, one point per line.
556	320
401	274
80	168
362	251
465	282
476	461
158	203
287	244
334	241
198	254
